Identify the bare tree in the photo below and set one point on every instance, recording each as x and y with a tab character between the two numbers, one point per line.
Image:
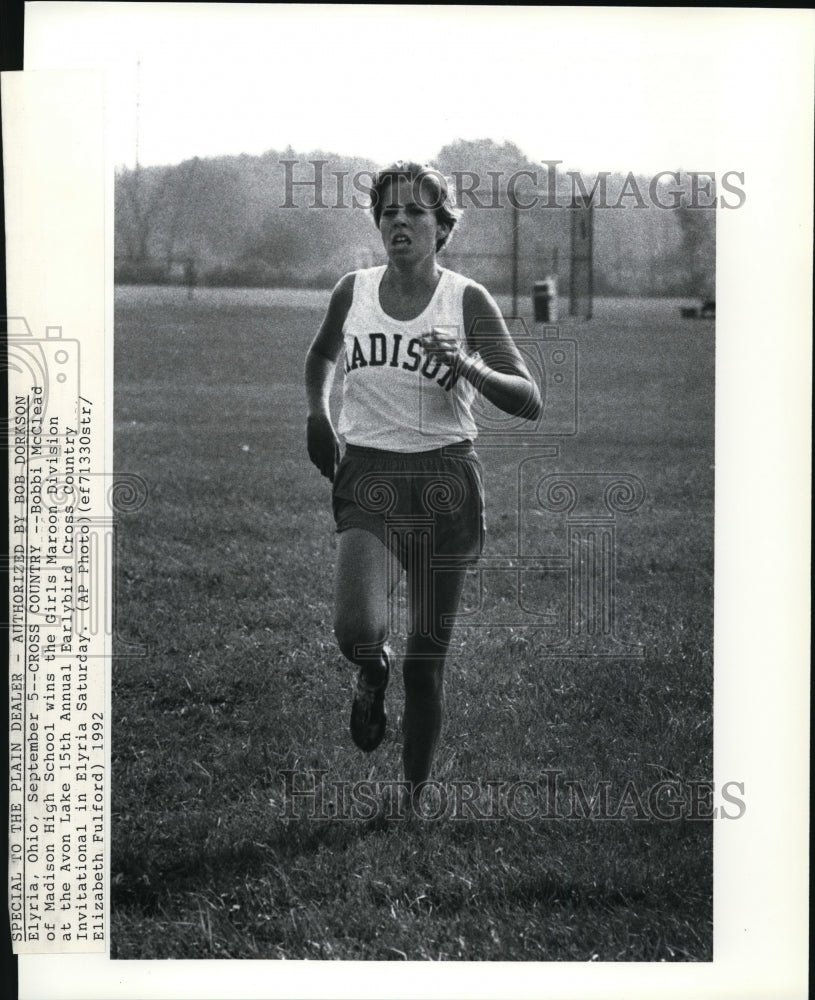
143	194
698	248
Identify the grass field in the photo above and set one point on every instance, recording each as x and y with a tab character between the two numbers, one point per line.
226	576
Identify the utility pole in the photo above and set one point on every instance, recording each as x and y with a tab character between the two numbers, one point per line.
515	227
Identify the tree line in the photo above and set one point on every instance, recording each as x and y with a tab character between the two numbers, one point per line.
289	219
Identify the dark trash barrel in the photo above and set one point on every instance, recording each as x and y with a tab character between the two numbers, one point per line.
544	301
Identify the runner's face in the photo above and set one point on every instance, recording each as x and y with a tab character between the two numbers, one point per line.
408	226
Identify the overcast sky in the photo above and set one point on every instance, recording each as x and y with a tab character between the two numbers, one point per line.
598	88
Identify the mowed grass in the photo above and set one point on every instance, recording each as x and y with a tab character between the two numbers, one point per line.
226	575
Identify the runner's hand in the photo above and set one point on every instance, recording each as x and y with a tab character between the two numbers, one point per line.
323	444
442	343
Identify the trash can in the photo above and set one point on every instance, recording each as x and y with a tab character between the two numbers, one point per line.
544	300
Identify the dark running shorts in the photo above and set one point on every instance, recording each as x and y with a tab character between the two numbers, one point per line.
427	501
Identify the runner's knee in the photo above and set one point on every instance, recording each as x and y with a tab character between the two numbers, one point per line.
423	678
359	638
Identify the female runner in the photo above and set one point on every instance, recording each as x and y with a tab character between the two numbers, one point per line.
418	342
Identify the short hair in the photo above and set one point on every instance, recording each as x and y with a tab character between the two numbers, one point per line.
422	177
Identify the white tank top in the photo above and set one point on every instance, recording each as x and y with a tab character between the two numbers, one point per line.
394	397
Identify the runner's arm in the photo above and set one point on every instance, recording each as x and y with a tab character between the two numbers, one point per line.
321	361
499	372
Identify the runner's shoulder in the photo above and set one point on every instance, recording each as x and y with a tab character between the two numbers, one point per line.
477	301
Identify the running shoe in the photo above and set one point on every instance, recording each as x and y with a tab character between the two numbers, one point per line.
368	718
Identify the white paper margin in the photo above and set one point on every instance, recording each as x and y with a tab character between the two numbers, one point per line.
758	101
